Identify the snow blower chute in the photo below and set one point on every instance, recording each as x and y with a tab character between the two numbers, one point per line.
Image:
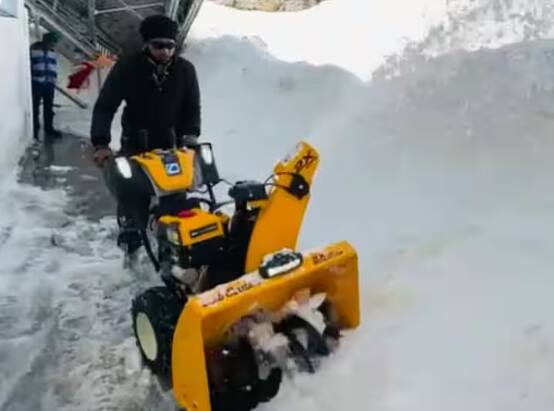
240	306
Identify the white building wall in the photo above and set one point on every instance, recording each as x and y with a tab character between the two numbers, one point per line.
15	87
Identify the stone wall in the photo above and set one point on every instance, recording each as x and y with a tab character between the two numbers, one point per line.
270	5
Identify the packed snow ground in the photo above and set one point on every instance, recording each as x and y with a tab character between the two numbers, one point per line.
437	170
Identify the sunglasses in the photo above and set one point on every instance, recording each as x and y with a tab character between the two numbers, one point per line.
161	44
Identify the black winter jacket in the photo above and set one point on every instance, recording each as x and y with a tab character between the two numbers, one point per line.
166	105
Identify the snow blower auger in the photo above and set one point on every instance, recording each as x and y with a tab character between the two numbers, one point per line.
233	344
239	307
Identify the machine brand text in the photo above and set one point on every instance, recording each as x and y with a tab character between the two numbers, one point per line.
203	230
305	161
319	258
218	295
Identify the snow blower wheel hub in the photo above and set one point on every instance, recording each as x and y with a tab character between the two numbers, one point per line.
147	337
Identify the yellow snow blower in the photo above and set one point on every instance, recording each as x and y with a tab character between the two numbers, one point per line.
240	307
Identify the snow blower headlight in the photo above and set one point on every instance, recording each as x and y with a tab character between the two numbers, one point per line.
173	234
280	263
207	155
124	167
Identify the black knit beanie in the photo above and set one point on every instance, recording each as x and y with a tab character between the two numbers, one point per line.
158	26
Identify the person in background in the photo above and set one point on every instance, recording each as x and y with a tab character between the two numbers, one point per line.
44	74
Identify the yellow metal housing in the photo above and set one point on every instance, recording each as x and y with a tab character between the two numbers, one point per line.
280	218
195	229
208	316
165	180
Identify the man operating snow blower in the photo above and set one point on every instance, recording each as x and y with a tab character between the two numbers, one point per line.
162	110
240	307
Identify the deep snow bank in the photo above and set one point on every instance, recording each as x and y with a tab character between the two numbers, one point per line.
441	179
352	34
474	24
439	172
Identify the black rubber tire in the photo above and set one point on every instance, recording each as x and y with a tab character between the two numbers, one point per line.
241	389
162	309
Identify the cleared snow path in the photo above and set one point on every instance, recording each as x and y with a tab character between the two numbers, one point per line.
65	330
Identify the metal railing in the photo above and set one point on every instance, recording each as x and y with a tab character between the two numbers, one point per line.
189	13
80	28
72	27
127	8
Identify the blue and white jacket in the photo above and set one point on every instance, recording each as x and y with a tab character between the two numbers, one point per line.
44	64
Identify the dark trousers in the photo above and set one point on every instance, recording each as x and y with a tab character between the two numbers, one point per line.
132	195
44	93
